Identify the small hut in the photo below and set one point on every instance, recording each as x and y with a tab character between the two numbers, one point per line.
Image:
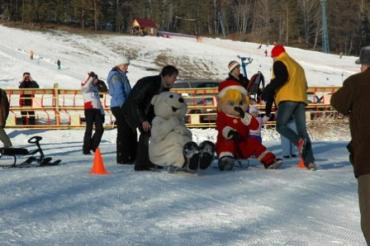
144	27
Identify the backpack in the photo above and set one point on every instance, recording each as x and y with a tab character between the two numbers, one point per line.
256	86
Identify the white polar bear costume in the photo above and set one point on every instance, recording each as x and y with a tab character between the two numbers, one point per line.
169	133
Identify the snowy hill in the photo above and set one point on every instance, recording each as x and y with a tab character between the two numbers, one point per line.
64	205
208	59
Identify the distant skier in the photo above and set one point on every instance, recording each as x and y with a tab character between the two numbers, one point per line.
31	54
59	64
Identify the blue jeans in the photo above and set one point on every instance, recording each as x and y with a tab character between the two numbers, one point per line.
295	110
288	148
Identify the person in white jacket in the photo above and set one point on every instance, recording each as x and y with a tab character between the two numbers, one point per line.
94	113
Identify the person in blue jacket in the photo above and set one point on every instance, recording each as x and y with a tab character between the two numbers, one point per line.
119	89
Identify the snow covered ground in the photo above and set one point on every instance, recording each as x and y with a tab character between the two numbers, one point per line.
65	205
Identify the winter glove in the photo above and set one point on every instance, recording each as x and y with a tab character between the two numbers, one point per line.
266	118
240	111
234	135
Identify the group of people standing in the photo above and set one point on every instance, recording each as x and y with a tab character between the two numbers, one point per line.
131	108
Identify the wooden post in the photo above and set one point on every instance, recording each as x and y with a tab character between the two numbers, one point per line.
56	103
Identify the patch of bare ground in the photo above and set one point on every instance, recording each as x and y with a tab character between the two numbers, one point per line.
329	128
188	68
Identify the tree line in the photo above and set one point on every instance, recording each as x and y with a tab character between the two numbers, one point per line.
291	22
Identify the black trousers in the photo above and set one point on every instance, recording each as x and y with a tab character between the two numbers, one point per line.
142	161
30	120
92	141
126	138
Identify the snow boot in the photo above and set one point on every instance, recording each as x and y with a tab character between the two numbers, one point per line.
270	161
226	163
191	154
276	164
311	166
207	152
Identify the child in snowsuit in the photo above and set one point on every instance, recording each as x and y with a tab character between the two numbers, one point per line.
256	134
94	113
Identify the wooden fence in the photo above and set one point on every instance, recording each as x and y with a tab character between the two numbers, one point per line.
57	108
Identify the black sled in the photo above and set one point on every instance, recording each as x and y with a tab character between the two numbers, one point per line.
36	159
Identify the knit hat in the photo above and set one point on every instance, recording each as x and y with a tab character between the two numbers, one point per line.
233	64
230	85
277	50
122	60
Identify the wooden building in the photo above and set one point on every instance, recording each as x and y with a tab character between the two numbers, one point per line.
144	27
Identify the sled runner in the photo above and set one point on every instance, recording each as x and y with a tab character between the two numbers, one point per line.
37	157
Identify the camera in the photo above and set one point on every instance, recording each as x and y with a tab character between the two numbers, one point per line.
93	75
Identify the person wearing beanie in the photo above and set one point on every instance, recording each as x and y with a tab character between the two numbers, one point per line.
119	89
235	74
352	99
288	89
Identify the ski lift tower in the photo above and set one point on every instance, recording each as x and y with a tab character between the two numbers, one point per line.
325	33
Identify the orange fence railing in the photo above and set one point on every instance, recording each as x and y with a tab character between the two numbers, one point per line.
57	108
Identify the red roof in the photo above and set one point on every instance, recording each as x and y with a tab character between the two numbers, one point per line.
146	23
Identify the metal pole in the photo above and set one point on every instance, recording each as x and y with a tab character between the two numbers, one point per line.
325	32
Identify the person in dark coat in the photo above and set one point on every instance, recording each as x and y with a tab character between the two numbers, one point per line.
26	98
138	111
235	74
4	112
119	90
353	100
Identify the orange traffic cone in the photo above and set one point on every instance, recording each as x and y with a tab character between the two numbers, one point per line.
98	164
301	163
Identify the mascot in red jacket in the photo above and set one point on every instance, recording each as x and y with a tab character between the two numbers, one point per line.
233	125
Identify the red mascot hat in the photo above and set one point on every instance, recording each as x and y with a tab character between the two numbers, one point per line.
230	85
277	50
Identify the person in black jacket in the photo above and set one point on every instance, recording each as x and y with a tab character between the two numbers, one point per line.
235	74
138	111
4	112
26	98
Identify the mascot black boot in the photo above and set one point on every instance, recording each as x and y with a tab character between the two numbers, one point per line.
226	163
191	154
207	153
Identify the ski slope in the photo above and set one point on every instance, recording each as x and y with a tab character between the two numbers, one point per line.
65	205
92	52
